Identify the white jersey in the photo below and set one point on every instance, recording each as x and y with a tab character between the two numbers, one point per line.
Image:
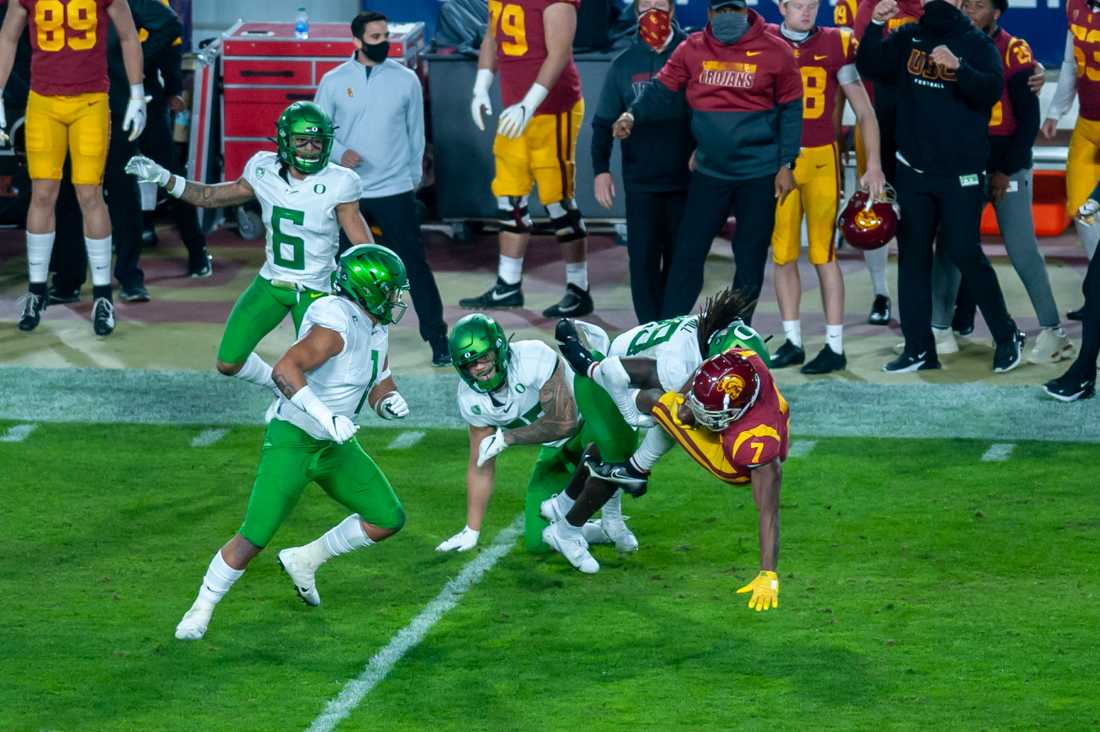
672	343
343	382
516	403
303	234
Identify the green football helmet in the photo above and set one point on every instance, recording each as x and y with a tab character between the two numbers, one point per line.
373	277
307	119
471	338
738	335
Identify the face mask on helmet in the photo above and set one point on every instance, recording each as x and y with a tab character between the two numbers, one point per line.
724	388
479	352
373	277
298	128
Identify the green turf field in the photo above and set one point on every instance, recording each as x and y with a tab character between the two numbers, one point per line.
920	588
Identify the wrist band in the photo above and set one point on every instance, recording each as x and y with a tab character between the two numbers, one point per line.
178	186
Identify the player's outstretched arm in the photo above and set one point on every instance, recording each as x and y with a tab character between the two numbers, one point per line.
765	492
352	222
559	418
197	194
479	489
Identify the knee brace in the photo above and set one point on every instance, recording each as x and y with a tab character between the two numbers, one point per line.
513	214
567	221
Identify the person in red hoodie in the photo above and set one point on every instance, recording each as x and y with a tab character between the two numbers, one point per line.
745	92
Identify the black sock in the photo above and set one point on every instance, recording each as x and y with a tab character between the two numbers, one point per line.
576	483
101	291
38	288
596	493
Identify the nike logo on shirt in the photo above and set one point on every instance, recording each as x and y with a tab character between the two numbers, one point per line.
820	58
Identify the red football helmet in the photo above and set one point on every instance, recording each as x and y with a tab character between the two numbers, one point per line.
868	224
723	389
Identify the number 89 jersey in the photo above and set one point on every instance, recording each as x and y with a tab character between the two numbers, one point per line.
672	343
303	234
69	43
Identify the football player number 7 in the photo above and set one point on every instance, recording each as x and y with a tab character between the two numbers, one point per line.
51	18
511	24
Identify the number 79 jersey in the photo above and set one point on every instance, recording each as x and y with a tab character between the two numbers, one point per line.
672	343
303	233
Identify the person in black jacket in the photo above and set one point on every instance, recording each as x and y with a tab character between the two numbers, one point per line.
123	199
655	157
948	76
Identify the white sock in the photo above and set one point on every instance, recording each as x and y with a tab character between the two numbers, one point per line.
613	509
510	269
576	273
39	248
834	337
793	330
655	444
564	503
611	375
217	581
876	266
255	371
99	257
344	537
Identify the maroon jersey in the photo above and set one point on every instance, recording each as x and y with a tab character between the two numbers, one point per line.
1084	24
1016	57
909	11
763	434
521	48
819	58
69	42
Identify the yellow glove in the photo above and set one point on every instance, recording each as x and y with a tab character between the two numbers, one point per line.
765	591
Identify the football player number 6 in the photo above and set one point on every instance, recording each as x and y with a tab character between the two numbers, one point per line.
51	18
511	24
297	258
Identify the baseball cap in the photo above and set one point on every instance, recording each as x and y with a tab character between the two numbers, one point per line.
716	4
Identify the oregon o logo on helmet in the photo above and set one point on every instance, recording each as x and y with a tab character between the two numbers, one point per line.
731	385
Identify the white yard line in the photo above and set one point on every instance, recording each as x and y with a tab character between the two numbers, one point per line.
801	448
998	452
410	636
405	440
18	433
206	438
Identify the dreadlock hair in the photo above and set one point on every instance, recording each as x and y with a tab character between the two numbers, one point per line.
718	312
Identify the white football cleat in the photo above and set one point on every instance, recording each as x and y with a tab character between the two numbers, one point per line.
1051	346
619	534
573	549
463	541
593	533
550	509
301	572
195	621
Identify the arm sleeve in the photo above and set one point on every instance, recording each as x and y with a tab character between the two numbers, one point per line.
163	25
323	99
414	121
1025	108
981	81
608	110
1067	83
877	57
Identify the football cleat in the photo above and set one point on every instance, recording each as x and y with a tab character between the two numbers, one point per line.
788	355
1070	388
103	316
33	305
909	362
463	541
1051	346
550	509
963	321
573	304
826	362
1078	314
569	343
301	572
880	311
624	475
201	266
619	534
195	621
500	295
134	294
1008	354
593	533
573	548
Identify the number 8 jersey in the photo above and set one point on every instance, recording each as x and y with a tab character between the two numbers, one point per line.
303	233
672	343
69	42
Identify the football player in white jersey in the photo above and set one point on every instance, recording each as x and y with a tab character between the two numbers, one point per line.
306	200
523	393
338	364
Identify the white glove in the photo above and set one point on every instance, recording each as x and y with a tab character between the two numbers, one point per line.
514	119
392	406
481	97
463	541
134	119
340	428
147	170
490	447
3	121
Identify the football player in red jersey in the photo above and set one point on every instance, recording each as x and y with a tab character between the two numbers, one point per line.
67	114
826	60
531	43
731	419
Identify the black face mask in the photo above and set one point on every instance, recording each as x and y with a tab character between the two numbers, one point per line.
377	52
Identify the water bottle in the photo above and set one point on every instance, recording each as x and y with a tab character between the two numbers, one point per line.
301	25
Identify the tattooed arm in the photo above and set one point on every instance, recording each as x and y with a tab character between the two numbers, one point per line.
217	195
319	345
559	418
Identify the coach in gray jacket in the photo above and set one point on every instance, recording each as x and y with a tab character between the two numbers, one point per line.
377	106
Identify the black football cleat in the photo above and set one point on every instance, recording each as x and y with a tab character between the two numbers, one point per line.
826	362
134	294
441	352
500	295
201	266
624	475
909	362
1078	314
569	343
103	316
880	311
573	304
1009	354
1069	387
788	355
33	305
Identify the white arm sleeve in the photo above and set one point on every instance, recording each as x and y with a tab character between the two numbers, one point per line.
847	74
1067	84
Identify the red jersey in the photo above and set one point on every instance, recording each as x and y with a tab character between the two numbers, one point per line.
521	48
69	43
1084	24
819	58
1016	57
844	14
763	434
